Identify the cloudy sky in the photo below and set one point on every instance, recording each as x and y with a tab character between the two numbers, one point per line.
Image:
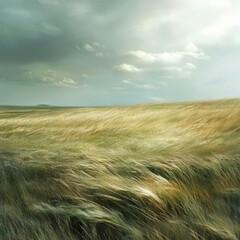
102	52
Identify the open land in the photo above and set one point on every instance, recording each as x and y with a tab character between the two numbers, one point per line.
145	172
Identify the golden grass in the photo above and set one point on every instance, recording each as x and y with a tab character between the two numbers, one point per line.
144	172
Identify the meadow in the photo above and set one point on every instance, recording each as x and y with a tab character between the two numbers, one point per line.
166	171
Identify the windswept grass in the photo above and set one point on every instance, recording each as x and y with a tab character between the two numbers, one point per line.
144	172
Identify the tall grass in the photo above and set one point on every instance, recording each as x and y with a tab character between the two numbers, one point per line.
144	172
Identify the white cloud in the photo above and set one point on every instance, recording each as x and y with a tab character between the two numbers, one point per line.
191	47
126	81
215	3
217	22
192	50
53	78
95	48
89	48
177	66
169	57
49	76
190	66
98	45
177	62
223	26
68	81
127	68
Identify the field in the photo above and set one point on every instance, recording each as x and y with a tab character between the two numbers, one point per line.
143	172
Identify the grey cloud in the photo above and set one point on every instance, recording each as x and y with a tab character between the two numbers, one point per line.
30	32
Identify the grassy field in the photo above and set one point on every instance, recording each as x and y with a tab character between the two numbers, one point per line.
144	172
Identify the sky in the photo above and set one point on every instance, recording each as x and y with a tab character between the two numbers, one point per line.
111	52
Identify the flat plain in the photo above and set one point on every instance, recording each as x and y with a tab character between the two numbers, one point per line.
144	172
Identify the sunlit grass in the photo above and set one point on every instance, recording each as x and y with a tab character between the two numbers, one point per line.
144	172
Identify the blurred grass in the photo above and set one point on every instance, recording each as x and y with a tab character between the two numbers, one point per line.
144	172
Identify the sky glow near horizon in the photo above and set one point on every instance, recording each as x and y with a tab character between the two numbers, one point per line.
99	52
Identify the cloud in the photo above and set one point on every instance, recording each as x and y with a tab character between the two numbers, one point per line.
36	75
192	50
95	48
214	3
171	65
127	68
51	77
169	57
182	71
32	32
66	82
164	41
126	81
191	47
190	66
89	48
227	25
98	45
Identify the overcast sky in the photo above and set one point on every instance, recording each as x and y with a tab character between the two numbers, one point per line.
107	52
